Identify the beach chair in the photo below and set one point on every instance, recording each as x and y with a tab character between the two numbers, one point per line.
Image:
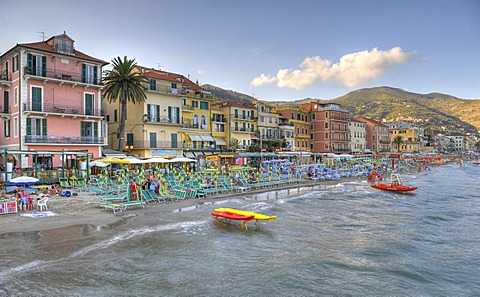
42	204
116	208
147	197
63	181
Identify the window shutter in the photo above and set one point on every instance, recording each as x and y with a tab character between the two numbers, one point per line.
158	113
95	75
148	112
95	129
29	63
169	113
44	66
82	129
84	71
29	126
17	63
44	127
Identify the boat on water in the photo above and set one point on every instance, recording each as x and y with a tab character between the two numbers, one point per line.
396	185
232	216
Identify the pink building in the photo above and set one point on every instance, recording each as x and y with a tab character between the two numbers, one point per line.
50	100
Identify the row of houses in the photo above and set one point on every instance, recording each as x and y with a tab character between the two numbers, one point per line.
52	100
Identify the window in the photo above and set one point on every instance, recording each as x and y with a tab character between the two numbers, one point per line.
130	139
326	135
89	74
194	103
184	101
153	84
203	122
15	63
262	119
15	96
37	65
174	88
236	113
36	127
15	127
293	116
64	45
6	128
313	116
36	98
115	115
204	105
88	130
153	112
326	125
6	101
244	116
89	103
195	121
174	114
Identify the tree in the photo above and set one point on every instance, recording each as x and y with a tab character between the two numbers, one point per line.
234	143
398	141
125	83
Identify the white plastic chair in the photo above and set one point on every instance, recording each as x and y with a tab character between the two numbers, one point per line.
42	203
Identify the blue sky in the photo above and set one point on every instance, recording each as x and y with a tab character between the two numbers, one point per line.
273	50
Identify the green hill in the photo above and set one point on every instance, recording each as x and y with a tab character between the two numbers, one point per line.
439	112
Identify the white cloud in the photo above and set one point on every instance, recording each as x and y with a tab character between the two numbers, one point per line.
262	80
352	69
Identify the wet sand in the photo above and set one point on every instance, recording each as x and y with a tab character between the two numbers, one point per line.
77	210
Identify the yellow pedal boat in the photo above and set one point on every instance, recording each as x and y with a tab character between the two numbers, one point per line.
256	216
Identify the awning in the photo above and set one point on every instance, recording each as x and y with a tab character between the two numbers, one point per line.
195	137
207	138
113	154
189	155
226	155
220	141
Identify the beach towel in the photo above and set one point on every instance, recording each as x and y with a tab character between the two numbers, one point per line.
39	214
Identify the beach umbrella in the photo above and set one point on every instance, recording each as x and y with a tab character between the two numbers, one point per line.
23	181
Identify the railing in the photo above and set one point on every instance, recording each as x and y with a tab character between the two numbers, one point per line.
4	109
244	130
240	117
4	76
163	120
187	107
164	89
191	126
219	120
63	139
61	108
63	75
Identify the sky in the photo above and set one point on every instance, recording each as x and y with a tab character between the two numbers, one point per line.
273	50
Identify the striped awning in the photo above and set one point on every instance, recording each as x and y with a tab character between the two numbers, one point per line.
220	141
207	138
195	137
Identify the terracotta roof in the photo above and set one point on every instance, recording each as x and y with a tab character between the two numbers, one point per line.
238	104
46	47
169	76
375	122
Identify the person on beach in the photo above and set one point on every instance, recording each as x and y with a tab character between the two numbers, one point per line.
134	186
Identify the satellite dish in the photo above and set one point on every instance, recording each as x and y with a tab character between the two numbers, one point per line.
212	146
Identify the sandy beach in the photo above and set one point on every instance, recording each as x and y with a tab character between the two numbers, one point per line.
77	210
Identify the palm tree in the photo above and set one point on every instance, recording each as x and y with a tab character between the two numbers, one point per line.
124	83
398	141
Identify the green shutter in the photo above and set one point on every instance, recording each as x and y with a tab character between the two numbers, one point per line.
158	113
29	126
148	111
84	71
30	63
44	127
82	131
6	101
95	129
17	63
95	75
44	66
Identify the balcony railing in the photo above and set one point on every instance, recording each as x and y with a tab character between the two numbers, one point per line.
187	107
63	139
63	75
251	130
61	109
218	120
4	109
4	76
164	89
240	117
163	120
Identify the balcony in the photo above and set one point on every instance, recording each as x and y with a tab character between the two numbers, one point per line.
164	89
244	118
5	79
146	144
245	130
37	139
218	120
161	120
186	107
61	109
61	76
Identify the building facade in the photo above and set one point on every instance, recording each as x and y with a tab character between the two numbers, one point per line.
51	101
358	136
378	136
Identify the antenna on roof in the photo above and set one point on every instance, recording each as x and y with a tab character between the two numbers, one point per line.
43	35
159	66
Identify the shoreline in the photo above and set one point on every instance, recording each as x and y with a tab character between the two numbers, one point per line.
76	210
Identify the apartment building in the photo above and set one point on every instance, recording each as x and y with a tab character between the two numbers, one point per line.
358	136
51	101
378	136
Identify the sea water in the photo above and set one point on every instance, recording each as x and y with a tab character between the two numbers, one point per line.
339	240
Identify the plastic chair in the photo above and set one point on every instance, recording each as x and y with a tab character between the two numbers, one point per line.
42	203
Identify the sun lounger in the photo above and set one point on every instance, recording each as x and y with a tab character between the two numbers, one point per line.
116	208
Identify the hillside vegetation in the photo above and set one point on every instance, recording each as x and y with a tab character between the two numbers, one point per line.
439	112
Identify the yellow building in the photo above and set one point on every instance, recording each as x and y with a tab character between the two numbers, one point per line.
298	117
241	124
412	137
153	127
